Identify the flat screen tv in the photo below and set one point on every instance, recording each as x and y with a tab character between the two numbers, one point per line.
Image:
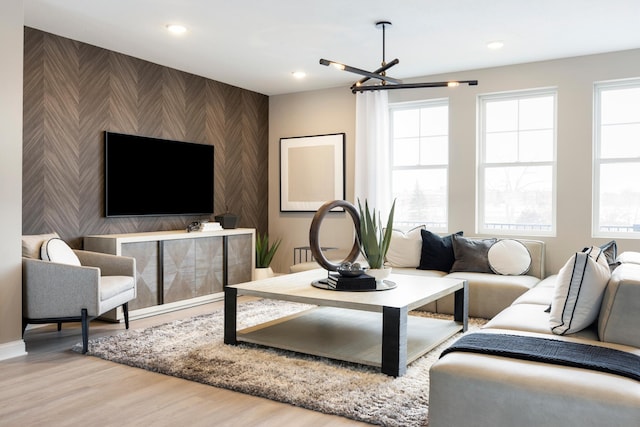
154	177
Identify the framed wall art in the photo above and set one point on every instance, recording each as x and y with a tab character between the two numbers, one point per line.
312	171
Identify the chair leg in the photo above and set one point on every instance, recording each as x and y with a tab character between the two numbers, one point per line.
125	310
85	331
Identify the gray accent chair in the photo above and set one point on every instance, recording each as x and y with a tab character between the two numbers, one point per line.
56	293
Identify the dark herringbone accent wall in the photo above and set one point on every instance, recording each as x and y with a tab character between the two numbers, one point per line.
73	92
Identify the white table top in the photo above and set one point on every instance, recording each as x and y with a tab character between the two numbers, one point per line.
413	291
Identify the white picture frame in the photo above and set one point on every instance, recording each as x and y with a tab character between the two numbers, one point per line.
312	171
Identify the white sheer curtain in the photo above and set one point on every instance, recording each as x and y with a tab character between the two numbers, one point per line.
372	169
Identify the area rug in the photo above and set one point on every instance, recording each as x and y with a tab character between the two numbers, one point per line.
193	349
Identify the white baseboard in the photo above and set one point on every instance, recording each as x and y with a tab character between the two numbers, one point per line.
12	349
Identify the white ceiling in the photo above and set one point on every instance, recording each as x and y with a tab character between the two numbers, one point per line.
257	44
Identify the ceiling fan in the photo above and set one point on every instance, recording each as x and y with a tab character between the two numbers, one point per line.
386	82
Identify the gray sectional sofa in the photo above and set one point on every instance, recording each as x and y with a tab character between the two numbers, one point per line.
475	389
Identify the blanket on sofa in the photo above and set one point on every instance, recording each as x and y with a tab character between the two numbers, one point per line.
551	351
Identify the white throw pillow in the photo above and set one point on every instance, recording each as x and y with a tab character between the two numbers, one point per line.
405	248
579	289
509	257
56	250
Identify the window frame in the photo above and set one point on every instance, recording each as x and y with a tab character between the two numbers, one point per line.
597	161
416	105
482	165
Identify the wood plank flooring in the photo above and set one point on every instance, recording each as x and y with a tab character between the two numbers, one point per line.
53	386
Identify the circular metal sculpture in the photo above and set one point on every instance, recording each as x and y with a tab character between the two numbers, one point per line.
314	242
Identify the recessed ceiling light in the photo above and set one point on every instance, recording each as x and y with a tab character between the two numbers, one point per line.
299	74
497	44
176	29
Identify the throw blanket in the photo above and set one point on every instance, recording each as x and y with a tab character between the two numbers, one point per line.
551	351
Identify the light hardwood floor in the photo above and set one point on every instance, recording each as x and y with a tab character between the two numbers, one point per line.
53	386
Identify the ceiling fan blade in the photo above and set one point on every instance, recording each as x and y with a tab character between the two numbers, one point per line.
359	71
452	83
378	71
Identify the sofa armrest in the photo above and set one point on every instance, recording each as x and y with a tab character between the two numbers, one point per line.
619	318
479	390
110	265
52	290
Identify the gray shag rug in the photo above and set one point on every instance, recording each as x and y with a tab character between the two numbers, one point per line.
193	349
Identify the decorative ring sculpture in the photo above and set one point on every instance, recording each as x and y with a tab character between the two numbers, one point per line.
314	242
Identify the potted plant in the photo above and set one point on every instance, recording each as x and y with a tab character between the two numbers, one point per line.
374	240
264	255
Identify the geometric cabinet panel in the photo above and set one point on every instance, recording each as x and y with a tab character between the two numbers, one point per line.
209	258
191	268
178	268
146	255
239	258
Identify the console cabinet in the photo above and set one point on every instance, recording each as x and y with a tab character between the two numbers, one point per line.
177	269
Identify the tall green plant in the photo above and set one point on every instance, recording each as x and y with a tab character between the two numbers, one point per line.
374	242
264	252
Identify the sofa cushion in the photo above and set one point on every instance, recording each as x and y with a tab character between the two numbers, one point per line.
31	244
542	295
509	257
619	318
471	254
578	293
629	257
488	293
531	318
437	252
405	249
56	250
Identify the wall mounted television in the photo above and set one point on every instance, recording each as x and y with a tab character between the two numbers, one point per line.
155	177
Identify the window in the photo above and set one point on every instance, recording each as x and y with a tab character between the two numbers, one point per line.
516	168
420	162
616	193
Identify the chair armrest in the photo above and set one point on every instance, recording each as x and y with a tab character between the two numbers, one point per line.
110	265
58	290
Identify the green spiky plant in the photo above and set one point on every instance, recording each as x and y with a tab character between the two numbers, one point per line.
264	252
374	240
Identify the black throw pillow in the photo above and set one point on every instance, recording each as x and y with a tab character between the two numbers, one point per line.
437	252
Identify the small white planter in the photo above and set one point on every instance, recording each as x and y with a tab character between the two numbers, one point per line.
263	273
379	273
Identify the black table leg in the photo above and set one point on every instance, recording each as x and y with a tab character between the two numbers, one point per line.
461	306
394	341
230	315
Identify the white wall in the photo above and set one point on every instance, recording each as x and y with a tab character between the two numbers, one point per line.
334	111
11	52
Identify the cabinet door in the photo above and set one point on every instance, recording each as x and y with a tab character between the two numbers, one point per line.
146	255
239	256
208	265
178	267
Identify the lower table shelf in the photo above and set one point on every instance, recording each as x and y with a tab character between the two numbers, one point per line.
349	335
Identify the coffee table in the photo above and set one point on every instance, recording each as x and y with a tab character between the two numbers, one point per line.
371	328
